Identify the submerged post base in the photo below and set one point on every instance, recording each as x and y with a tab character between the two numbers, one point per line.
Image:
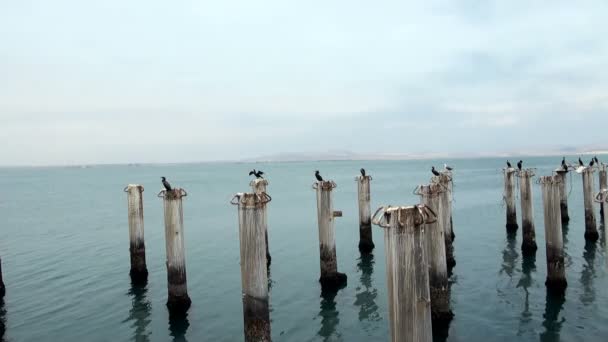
334	281
366	247
592	236
139	276
179	304
556	286
528	248
257	319
512	227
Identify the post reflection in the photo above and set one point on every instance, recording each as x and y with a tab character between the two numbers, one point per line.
366	293
178	326
2	320
588	274
329	315
139	314
528	267
551	321
509	255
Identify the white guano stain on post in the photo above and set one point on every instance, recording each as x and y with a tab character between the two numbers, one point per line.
509	198
259	187
528	244
254	275
407	274
591	232
556	273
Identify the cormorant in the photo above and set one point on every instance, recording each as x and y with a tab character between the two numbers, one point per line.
580	162
563	161
435	171
565	167
591	162
597	161
166	184
362	172
257	174
319	178
509	164
449	168
519	164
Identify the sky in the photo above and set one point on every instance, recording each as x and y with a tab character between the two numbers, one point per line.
184	81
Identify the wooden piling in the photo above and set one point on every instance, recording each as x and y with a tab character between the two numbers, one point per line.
254	275
366	243
603	185
178	300
2	288
259	187
602	199
435	251
330	278
137	247
509	198
563	202
409	304
556	274
528	245
446	217
591	232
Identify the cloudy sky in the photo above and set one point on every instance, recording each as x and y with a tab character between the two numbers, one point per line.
170	81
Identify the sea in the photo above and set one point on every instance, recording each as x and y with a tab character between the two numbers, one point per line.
65	255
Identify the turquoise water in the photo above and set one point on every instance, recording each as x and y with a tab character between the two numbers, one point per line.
65	256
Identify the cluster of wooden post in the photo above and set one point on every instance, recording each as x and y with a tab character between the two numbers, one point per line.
409	296
528	245
366	243
254	275
556	274
330	278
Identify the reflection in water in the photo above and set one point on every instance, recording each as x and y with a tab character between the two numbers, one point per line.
139	314
329	315
528	266
588	274
366	293
567	257
2	320
509	255
553	326
178	326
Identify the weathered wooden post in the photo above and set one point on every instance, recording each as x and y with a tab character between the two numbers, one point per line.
556	274
254	275
330	278
2	288
435	251
409	305
563	194
509	198
259	187
137	248
591	232
178	301
602	199
366	243
446	215
603	185
528	245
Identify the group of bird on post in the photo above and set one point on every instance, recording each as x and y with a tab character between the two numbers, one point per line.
565	166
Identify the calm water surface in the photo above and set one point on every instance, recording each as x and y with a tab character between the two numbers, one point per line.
65	257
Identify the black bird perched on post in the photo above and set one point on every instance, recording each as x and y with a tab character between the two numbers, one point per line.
449	168
591	162
258	174
597	161
580	162
509	164
166	184
318	176
362	172
519	164
564	165
435	172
